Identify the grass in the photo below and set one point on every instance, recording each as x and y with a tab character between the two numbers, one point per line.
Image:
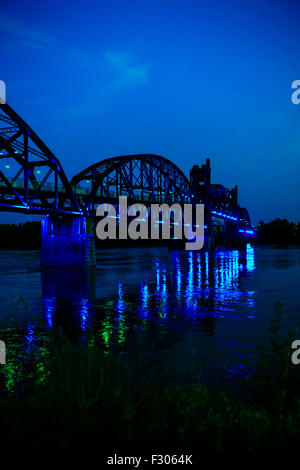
72	395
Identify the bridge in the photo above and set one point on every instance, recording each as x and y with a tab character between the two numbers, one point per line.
32	181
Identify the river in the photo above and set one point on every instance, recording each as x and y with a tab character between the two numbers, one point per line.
211	307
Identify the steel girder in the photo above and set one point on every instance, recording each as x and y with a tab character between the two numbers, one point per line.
26	168
221	199
145	178
244	218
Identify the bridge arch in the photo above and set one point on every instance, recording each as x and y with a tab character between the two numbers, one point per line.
148	178
32	179
244	218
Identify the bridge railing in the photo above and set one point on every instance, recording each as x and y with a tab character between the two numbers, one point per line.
79	191
19	184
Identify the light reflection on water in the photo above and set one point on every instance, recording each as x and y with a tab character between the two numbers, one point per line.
215	303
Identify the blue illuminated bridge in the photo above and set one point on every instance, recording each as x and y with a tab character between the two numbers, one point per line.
32	181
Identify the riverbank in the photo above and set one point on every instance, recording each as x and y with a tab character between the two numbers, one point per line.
72	395
28	236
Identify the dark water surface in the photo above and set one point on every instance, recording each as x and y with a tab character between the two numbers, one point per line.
207	306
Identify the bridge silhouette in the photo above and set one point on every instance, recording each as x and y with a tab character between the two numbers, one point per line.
32	181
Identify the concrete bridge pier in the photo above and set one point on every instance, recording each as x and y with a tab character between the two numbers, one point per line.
67	241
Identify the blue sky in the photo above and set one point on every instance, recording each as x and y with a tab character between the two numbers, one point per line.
183	79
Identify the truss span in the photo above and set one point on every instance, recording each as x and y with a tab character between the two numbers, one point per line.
32	179
145	177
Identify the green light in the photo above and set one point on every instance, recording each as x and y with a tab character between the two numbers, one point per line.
38	171
87	181
7	166
107	331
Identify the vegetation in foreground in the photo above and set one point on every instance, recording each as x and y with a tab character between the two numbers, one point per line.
71	395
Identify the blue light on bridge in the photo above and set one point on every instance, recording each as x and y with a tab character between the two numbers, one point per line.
15	206
221	214
250	232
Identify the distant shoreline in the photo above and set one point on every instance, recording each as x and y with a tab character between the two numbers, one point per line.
27	236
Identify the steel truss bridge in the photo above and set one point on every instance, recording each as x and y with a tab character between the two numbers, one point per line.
32	181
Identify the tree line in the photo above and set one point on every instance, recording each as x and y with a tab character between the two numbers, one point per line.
23	235
279	231
28	235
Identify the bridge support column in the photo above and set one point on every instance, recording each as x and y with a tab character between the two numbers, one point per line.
67	241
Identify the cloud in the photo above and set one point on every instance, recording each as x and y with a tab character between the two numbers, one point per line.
127	74
105	74
21	32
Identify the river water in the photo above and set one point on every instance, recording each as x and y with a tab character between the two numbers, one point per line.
205	308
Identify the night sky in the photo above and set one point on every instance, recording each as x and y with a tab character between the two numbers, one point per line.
184	79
